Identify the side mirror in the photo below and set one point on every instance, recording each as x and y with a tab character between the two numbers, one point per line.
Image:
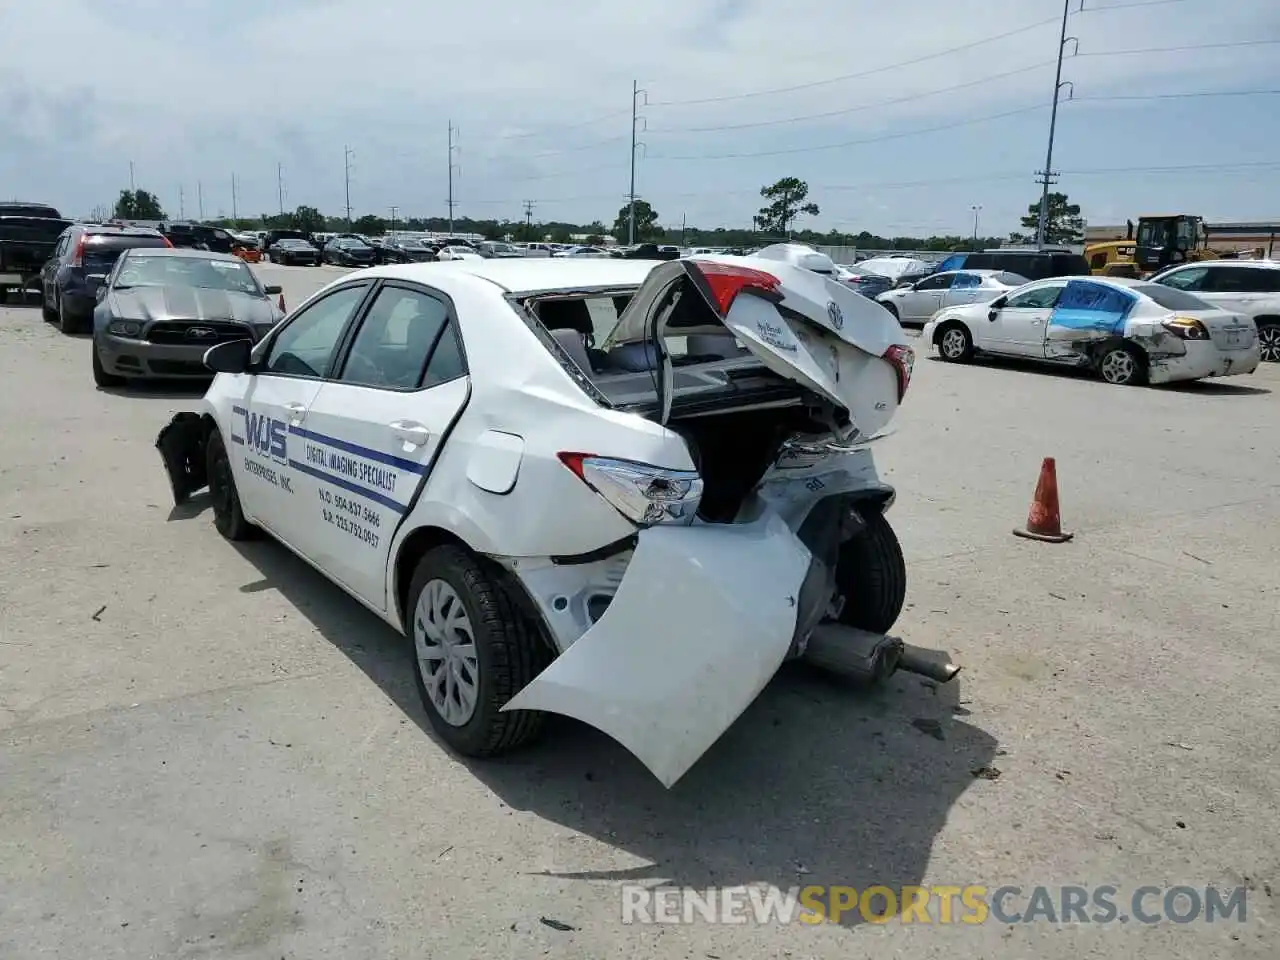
101	293
904	285
274	290
230	357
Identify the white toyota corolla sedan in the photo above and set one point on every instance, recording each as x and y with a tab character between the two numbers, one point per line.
1128	331
617	490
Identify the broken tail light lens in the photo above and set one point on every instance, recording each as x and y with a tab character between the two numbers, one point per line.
903	361
1186	328
644	494
724	282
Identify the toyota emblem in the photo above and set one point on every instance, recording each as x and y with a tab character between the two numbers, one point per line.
201	333
834	312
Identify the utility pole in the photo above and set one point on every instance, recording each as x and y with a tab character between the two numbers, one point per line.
346	173
631	194
182	203
132	187
977	209
528	219
1047	176
684	223
234	214
392	230
280	186
200	199
452	167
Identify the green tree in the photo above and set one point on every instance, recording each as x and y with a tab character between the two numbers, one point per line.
646	222
787	200
369	225
138	205
308	220
1062	223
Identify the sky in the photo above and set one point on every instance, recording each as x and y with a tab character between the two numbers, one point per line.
901	117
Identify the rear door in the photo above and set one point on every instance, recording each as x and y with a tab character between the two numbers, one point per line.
1236	289
373	432
965	289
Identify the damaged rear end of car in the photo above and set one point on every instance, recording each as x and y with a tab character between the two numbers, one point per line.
757	520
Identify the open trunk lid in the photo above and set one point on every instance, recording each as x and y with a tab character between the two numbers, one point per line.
802	325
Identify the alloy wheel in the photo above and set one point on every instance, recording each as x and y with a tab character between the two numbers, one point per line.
1118	367
446	648
1269	343
953	344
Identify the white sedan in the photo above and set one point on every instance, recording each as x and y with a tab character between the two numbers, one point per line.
917	302
458	253
636	536
1128	331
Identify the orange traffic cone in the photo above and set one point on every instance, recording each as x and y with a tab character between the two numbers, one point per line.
1044	521
281	305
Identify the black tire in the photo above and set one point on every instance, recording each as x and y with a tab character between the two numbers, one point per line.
100	375
1269	340
4	296
892	308
954	342
509	653
66	322
871	573
228	518
46	311
1122	364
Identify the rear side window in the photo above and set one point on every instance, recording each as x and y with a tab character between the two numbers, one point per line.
1242	280
1172	299
966	280
1191	279
102	251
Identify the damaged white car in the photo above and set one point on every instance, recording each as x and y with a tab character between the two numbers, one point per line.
616	490
1127	331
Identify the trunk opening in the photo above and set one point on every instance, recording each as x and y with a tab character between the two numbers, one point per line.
733	451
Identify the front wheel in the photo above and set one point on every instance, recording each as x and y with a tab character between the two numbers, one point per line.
955	343
472	652
1269	341
871	575
100	375
1122	365
228	518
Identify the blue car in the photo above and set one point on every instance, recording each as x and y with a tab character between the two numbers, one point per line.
81	261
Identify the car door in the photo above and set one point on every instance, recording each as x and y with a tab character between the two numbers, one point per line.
374	430
270	403
49	272
925	299
1017	327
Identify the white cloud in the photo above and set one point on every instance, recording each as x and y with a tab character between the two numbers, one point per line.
191	92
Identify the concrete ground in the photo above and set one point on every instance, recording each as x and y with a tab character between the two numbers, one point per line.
207	751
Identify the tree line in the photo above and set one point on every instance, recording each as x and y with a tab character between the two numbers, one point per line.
786	201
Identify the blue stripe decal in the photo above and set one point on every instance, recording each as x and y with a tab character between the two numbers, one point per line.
235	439
400	463
239	411
348	486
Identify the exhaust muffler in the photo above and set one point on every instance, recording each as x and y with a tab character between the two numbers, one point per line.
872	657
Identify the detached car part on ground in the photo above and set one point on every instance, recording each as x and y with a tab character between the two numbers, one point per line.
1128	332
636	536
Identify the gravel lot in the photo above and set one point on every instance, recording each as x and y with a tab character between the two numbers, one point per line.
206	751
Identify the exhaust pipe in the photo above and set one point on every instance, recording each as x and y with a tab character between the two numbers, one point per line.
933	664
850	652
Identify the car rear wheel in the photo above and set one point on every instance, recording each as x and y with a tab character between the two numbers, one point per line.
228	518
871	574
100	375
1122	365
892	308
472	652
1269	341
954	343
66	322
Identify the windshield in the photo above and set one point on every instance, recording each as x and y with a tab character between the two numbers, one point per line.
1171	299
1155	233
152	271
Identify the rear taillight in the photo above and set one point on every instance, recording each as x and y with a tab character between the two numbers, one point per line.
724	282
77	258
644	494
167	242
1186	328
903	361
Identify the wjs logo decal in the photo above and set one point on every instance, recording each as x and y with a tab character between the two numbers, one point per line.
266	436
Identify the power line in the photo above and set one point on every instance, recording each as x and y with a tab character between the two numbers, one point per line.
1225	45
1180	96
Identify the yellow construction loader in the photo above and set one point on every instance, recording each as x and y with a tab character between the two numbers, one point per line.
1160	241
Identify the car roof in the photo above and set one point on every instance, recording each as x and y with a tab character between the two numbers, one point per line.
181	252
107	230
527	275
1259	264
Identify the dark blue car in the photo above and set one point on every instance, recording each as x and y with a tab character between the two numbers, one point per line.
84	256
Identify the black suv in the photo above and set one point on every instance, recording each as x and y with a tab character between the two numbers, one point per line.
1032	264
83	257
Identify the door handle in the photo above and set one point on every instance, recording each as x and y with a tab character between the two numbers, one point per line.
414	434
297	411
